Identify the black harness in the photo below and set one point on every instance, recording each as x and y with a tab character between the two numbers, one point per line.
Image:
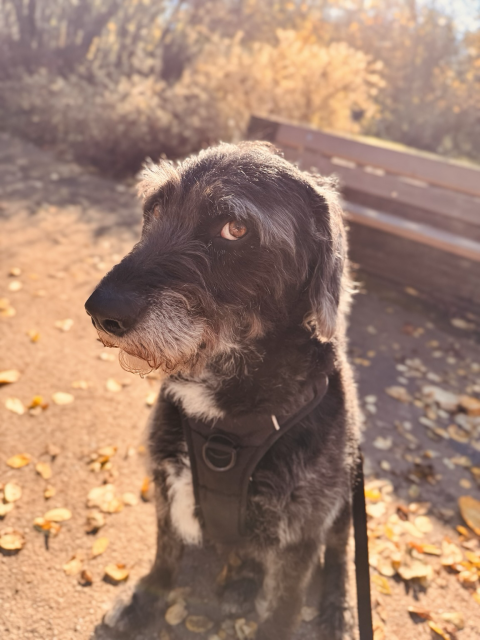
223	457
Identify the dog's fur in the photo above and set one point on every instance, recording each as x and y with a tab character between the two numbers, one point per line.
241	326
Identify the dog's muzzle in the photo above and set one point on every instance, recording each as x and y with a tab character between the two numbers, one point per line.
111	312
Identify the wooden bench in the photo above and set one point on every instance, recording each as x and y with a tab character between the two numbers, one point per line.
413	217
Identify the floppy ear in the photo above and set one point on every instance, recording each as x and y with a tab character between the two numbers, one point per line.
326	278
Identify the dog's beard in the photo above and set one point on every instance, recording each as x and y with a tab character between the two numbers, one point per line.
168	339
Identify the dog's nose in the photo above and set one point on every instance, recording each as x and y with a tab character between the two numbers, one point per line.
111	312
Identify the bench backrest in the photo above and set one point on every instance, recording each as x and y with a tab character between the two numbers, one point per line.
415	185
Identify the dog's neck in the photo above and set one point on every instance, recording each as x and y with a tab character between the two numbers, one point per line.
270	376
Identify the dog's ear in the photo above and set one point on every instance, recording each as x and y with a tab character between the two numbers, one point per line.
326	276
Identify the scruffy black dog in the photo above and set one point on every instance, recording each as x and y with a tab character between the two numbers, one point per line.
237	291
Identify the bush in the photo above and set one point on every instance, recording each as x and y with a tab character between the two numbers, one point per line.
114	124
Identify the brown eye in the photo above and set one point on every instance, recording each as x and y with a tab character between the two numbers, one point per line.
233	230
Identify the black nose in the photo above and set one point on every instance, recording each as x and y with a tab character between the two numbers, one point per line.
112	312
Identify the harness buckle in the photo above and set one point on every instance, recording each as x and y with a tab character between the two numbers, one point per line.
220	452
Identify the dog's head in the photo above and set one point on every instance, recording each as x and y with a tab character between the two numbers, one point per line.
236	243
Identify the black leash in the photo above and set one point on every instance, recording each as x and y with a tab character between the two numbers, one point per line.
362	569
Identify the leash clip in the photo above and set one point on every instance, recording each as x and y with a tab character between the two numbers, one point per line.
219	452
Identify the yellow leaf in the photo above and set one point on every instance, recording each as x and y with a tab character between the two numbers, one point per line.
438	630
9	376
73	566
382	584
99	546
113	385
116	572
64	325
34	335
15	405
470	510
11	540
58	515
44	470
18	461
62	398
80	384
12	492
49	492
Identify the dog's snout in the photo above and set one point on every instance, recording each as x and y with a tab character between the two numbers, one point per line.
111	312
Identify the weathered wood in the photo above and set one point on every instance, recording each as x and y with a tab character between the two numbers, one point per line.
449	174
417	232
443	277
447	203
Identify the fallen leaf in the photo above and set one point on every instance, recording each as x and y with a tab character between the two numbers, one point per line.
460	323
471	405
61	398
455	617
15	405
438	630
105	499
423	524
382	585
10	376
15	272
451	554
44	470
309	613
198	624
58	515
73	566
421	612
14	286
470	511
116	572
86	578
376	510
46	526
38	401
5	508
99	546
176	614
49	492
80	384
34	335
415	569
113	385
12	492
129	499
151	398
106	357
64	325
95	521
384	444
145	490
18	461
11	540
399	393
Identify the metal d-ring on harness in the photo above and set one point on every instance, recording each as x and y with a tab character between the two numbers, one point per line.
223	457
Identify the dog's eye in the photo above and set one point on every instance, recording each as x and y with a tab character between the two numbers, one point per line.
233	230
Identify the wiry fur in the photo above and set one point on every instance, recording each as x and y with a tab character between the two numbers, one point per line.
241	327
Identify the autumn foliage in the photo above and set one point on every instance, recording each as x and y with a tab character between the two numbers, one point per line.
111	82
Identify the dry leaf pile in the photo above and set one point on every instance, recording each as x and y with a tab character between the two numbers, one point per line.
400	548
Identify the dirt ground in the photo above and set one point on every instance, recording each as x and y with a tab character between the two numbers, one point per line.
63	228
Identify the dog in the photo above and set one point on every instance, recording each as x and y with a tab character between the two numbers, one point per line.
238	292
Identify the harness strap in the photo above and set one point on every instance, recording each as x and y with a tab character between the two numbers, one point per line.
223	456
